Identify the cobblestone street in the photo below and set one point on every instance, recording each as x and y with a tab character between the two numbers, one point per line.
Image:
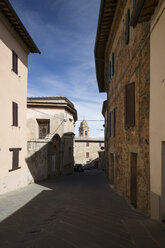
78	211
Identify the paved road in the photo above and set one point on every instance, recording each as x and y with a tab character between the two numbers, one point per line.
78	211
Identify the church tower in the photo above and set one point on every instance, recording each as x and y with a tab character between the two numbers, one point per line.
84	129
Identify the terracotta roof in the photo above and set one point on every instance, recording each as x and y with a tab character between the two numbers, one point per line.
7	10
107	11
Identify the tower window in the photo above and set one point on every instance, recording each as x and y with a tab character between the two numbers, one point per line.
86	133
87	154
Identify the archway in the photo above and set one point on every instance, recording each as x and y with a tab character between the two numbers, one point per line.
55	160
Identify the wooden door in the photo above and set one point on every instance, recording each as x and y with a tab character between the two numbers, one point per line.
133	186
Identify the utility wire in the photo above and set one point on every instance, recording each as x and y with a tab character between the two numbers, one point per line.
90	120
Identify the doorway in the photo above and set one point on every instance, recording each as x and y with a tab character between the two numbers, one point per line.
53	164
133	184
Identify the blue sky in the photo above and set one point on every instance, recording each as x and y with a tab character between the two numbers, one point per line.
64	31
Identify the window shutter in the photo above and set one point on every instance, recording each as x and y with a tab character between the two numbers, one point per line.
110	124
134	1
113	65
114	122
127	26
130	105
15	114
109	71
15	62
15	158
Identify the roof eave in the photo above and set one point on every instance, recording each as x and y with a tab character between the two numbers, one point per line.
103	28
8	11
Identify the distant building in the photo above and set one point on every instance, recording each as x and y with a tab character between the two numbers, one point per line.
15	45
86	148
50	133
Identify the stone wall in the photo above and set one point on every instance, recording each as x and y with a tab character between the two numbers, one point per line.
81	148
38	159
50	157
132	62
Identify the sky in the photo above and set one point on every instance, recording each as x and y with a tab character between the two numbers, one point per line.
65	32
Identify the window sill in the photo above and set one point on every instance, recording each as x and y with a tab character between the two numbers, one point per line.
15	169
15	126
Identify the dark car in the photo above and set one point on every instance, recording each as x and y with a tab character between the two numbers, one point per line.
78	168
88	167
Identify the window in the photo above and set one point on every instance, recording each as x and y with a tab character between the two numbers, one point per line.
99	144
15	62
109	71
43	126
81	133
113	64
127	33
87	144
86	133
114	122
110	124
87	154
15	158
130	105
15	114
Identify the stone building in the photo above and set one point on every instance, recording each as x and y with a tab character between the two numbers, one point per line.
86	148
122	56
15	45
50	133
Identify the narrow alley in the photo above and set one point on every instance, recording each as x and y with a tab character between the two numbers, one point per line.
78	211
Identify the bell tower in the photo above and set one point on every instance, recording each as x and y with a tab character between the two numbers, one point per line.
84	129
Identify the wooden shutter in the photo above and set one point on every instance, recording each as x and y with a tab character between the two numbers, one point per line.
15	158
110	124
113	65
130	105
15	62
114	122
127	26
87	154
15	114
109	71
134	1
